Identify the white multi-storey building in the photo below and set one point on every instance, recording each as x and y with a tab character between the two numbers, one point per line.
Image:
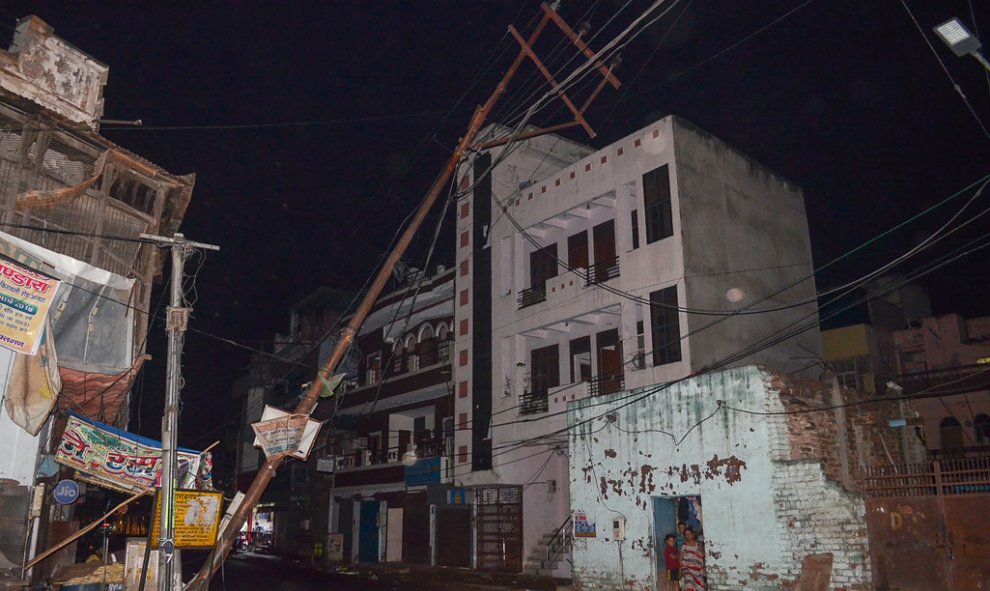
586	272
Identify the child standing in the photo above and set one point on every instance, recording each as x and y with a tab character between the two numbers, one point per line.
671	563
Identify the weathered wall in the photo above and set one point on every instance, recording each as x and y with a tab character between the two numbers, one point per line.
743	228
767	500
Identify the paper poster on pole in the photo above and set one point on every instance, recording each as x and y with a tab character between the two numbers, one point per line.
197	518
283	433
25	297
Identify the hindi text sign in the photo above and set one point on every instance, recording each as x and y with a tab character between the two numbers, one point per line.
25	296
197	518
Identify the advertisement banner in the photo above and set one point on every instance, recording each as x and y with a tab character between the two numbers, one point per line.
25	297
112	458
197	518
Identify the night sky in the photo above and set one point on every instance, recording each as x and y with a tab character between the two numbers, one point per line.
842	97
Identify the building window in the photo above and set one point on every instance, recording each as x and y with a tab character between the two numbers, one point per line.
544	374
606	262
950	436
577	250
373	374
580	359
981	428
639	357
656	199
665	326
634	219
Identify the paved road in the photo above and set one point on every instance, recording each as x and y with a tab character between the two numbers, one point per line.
245	572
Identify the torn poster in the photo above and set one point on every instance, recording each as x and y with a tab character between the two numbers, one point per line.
279	433
33	386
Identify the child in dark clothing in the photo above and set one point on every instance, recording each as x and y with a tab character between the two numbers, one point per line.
671	563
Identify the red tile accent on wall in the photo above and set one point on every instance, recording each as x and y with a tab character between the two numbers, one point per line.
572	174
638	142
622	151
462	358
656	133
462	421
464	327
604	159
587	167
556	183
465	209
462	455
464	268
462	389
465	238
543	189
464	297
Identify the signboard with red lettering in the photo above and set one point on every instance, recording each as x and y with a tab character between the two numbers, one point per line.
25	296
115	459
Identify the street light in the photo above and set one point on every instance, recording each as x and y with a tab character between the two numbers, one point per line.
960	40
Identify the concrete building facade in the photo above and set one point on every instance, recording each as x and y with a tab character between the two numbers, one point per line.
581	273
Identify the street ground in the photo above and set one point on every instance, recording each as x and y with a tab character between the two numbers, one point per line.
247	571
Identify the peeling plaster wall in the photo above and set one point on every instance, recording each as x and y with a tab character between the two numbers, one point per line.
762	511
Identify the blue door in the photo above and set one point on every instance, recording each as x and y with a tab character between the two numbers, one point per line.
368	532
664	522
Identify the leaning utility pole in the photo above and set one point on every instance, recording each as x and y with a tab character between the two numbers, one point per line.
176	323
308	402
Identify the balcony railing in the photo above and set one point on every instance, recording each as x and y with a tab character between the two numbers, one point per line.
531	403
533	295
603	271
946	381
373	457
606	384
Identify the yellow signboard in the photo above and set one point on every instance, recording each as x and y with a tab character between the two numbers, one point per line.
197	518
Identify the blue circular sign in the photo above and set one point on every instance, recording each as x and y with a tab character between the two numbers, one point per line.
66	492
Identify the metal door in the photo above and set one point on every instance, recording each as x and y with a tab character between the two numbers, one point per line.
500	529
416	530
928	525
454	536
368	532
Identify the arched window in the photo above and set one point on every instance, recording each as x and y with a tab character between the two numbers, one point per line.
427	346
412	356
981	428
442	333
950	436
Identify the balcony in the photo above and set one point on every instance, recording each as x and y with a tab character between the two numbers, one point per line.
945	382
606	384
363	458
603	271
535	402
533	295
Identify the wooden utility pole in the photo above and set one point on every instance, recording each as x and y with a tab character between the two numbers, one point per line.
176	323
309	400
